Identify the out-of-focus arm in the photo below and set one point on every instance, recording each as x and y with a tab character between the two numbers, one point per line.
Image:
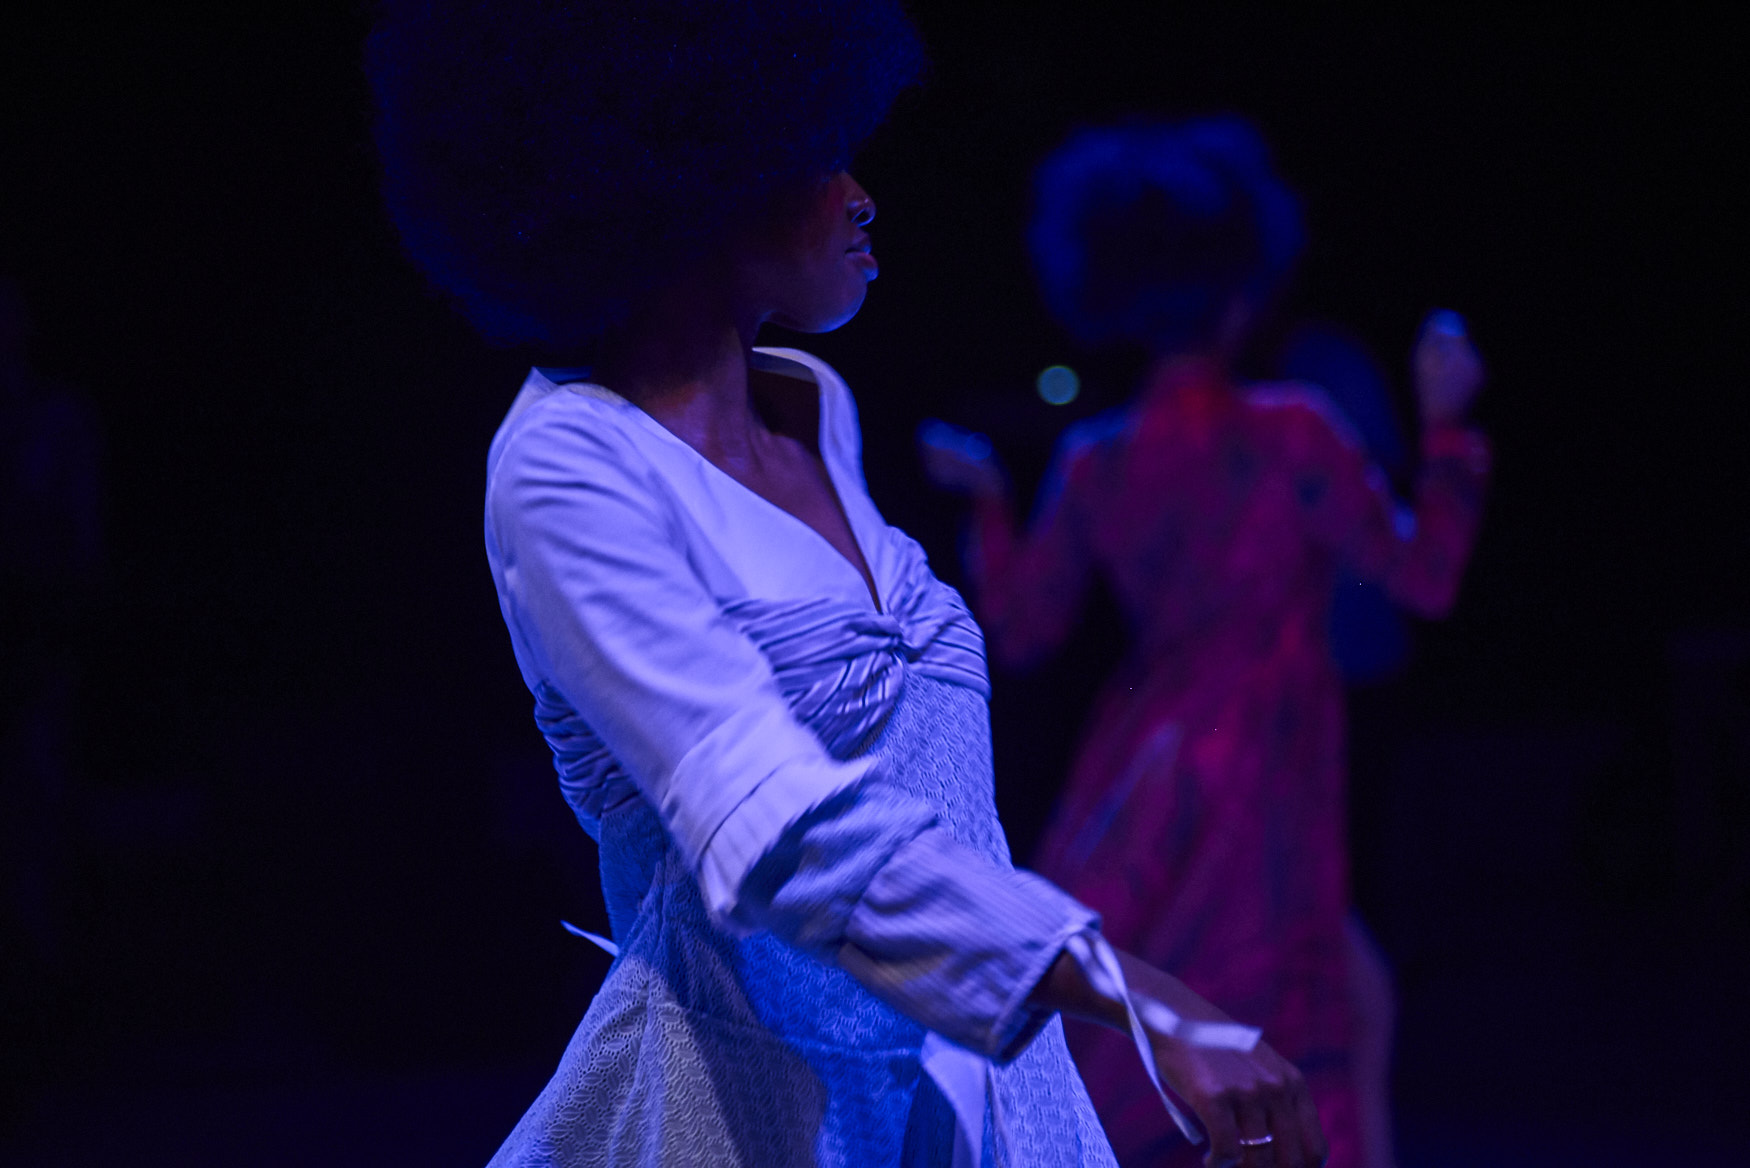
1418	554
1028	587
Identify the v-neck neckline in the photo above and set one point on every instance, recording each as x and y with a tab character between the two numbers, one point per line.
872	586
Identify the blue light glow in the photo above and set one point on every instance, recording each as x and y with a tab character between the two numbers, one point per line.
1059	384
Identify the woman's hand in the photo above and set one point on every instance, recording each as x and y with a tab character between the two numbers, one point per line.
1253	1105
1448	371
1240	1097
959	460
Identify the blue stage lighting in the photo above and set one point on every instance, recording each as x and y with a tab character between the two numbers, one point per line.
1059	384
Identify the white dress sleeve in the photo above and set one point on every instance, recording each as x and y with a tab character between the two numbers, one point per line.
596	577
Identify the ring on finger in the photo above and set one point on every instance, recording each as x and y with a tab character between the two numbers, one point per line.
1257	1142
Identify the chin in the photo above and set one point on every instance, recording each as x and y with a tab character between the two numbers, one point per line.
822	320
844	317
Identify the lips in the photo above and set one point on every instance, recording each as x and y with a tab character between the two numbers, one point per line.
860	255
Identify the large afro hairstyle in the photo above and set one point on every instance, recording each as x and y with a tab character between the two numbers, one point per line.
1144	232
550	163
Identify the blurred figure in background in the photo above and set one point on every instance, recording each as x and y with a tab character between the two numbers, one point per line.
1204	813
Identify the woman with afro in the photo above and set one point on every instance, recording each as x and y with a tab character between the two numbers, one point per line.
1204	813
760	702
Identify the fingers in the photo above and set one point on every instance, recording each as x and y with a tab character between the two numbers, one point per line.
1300	1140
1291	1143
1446	353
1266	1120
935	435
1448	371
1221	1125
959	460
1257	1136
934	432
1445	322
1254	1105
1241	1134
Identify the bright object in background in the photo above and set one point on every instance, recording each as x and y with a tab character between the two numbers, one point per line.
1059	384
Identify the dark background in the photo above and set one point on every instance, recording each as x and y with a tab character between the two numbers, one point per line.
306	860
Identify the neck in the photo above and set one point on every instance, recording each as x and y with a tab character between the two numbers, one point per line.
684	361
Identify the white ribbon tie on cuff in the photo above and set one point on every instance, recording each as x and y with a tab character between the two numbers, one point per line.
607	946
1099	962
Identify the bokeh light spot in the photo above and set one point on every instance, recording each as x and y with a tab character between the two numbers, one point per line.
1059	384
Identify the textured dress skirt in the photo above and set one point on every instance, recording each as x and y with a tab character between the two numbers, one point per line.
704	1049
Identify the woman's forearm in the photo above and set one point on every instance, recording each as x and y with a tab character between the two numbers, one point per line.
1070	989
1067	989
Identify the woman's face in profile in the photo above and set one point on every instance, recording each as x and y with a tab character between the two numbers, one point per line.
810	268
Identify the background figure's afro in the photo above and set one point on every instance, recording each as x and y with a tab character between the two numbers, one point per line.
548	163
1144	232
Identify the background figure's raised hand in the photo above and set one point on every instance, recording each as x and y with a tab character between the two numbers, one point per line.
959	460
1448	371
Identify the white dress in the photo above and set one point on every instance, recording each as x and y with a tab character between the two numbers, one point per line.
792	791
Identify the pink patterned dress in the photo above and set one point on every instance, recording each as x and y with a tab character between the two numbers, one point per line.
1204	814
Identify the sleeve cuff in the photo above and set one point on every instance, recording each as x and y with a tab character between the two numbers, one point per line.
958	944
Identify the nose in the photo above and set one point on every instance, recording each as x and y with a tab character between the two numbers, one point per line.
860	207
